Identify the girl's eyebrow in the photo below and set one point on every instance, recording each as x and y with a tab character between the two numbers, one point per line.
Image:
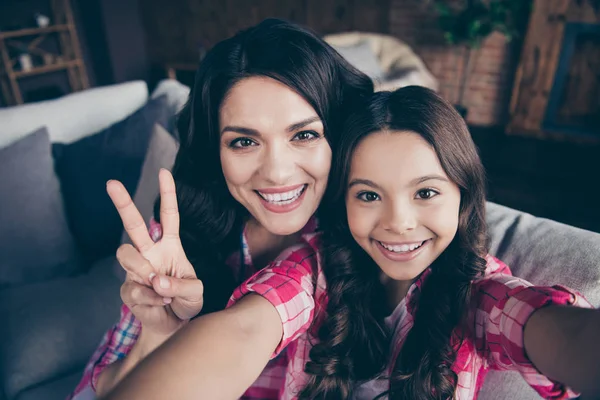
366	182
415	182
425	178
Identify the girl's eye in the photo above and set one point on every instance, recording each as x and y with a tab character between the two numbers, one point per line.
426	194
306	136
367	197
242	142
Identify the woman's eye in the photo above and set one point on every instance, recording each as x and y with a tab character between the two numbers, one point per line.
367	197
306	135
242	142
426	194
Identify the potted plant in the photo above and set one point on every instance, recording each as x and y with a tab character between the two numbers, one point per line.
467	23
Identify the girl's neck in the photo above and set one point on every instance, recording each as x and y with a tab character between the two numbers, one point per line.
395	291
264	246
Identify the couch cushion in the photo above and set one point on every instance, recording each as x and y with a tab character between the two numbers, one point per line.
177	95
35	242
75	115
543	252
50	329
56	389
85	166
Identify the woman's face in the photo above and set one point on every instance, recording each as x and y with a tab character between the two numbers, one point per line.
402	208
274	154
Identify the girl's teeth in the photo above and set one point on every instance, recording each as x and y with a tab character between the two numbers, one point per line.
403	248
282	198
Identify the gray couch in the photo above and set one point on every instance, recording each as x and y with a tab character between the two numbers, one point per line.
52	322
50	328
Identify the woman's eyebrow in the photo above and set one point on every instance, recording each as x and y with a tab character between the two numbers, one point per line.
240	130
253	132
302	124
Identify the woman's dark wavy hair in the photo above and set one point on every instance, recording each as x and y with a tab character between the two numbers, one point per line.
211	220
353	345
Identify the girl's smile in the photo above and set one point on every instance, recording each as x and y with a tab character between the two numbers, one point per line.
402	251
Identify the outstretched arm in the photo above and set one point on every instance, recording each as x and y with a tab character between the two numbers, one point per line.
564	344
216	356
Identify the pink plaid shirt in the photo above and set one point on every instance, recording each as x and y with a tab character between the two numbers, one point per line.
118	341
501	305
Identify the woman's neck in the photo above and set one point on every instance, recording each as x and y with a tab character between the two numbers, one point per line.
264	246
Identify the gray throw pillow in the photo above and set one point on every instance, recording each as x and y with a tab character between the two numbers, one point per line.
35	241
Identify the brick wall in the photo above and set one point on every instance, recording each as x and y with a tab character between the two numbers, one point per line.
489	85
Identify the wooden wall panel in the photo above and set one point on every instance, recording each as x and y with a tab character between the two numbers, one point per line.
539	60
580	103
537	67
176	29
371	15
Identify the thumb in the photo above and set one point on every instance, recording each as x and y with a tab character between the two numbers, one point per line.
188	290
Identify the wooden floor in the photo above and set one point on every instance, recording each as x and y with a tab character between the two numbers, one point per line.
551	179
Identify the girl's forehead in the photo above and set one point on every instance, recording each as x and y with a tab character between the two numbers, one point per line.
397	156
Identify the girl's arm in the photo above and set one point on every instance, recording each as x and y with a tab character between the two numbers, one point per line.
564	344
216	356
502	306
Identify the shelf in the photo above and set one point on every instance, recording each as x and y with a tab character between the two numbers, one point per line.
33	31
47	68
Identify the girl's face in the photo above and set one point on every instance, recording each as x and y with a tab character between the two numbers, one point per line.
402	207
274	154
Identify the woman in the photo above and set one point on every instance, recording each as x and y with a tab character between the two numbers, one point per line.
256	138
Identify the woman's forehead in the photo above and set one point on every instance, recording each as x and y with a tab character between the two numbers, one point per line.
264	104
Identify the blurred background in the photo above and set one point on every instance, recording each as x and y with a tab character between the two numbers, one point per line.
523	72
89	91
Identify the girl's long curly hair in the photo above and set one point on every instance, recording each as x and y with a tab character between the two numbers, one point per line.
354	345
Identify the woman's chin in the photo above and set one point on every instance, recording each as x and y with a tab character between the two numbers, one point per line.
285	226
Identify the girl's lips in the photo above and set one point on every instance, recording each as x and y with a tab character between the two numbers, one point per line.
404	256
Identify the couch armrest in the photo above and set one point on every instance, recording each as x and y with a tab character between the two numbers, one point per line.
546	252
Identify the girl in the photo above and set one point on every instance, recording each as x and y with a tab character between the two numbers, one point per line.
256	139
413	310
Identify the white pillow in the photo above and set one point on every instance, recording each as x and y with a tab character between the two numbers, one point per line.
361	56
75	115
177	93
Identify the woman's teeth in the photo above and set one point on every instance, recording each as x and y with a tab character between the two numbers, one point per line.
402	248
283	198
